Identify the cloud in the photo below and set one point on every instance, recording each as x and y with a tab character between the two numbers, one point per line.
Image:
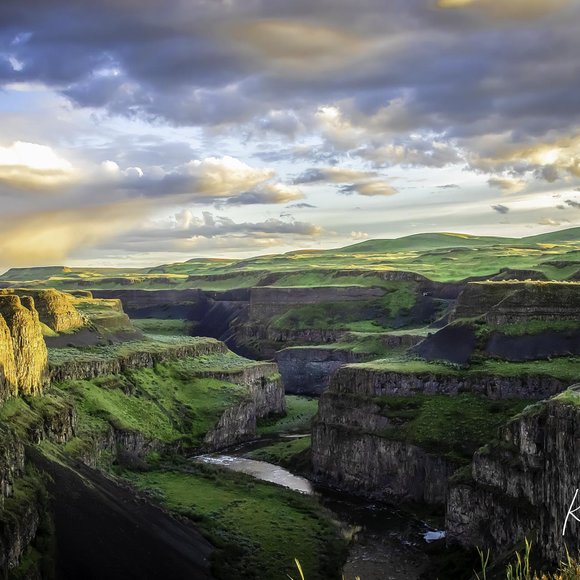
269	193
507	185
552	222
301	205
369	188
448	186
514	9
503	209
52	236
185	230
359	236
367	183
221	177
295	45
572	203
33	167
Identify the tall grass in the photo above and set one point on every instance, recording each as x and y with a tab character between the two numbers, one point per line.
568	569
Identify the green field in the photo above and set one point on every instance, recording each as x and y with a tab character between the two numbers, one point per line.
438	256
258	528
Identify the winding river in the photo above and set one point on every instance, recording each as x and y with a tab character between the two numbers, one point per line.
390	543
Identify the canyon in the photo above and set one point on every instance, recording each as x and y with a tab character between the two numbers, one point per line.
454	395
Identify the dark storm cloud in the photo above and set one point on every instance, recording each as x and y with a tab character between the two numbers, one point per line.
503	209
450	76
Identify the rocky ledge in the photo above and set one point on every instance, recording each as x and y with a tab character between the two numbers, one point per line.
523	484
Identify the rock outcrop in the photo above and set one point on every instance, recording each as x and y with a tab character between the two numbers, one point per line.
307	370
8	376
511	302
88	365
372	382
350	451
265	397
55	309
523	484
30	353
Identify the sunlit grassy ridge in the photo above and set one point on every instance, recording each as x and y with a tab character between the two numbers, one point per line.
439	256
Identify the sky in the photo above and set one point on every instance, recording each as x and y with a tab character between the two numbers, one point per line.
139	132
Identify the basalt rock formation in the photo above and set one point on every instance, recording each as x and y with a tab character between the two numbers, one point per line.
349	452
523	484
511	302
55	309
30	355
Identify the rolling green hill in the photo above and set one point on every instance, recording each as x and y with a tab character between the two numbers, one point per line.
439	256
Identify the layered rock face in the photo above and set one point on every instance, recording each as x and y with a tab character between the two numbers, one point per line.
30	353
348	452
55	309
271	301
185	304
86	367
8	376
11	461
265	397
524	484
307	371
370	382
512	302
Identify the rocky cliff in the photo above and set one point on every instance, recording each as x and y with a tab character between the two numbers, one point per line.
523	484
79	364
365	381
265	397
55	309
512	302
349	452
29	350
8	376
307	370
355	448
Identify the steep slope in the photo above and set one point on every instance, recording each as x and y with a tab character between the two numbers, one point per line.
523	484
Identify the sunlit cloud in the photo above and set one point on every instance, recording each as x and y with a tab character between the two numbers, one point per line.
52	236
30	166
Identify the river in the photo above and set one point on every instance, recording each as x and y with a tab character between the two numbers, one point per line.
390	544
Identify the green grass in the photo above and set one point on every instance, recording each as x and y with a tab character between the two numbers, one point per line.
159	326
259	528
439	256
372	315
299	414
455	426
284	453
160	344
569	397
166	403
563	368
534	327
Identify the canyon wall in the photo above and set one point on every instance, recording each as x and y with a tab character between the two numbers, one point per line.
26	370
350	451
523	484
512	302
374	382
55	309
